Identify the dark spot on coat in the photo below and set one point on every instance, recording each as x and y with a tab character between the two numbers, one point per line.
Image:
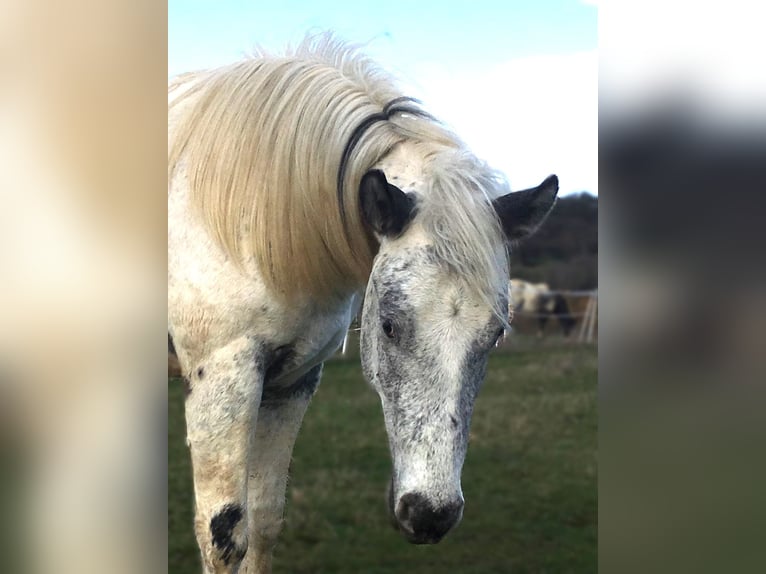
221	527
275	395
400	266
474	369
200	372
277	361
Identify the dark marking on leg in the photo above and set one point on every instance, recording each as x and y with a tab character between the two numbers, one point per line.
304	386
221	527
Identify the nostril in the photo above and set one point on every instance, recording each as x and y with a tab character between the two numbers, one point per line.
423	522
409	505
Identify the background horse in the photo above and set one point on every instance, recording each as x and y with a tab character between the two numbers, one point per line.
540	302
296	180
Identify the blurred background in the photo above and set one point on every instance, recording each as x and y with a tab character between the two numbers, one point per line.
682	155
83	296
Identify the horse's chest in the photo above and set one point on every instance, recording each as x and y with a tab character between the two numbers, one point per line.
300	347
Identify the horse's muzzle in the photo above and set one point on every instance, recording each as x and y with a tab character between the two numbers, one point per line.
421	522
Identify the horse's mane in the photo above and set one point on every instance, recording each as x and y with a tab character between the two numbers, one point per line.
262	142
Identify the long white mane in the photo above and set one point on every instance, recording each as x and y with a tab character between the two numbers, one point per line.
261	142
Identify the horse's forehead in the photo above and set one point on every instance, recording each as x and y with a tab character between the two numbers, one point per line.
404	168
406	261
418	275
404	274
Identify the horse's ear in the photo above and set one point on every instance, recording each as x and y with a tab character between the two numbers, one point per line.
385	207
522	212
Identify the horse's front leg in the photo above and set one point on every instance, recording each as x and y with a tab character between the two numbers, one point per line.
279	420
221	408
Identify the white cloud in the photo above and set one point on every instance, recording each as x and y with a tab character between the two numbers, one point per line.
528	117
708	52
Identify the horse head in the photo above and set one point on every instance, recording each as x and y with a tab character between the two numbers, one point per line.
428	328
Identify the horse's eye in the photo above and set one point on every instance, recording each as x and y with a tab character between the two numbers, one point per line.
498	335
388	328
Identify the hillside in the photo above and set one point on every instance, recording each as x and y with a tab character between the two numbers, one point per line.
564	251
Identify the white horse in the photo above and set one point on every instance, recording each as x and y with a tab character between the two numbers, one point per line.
525	295
295	181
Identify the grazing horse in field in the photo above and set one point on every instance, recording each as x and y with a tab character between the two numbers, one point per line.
537	300
295	182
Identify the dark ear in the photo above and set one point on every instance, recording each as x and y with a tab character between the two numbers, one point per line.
385	207
522	212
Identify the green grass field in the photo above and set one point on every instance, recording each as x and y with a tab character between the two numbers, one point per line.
529	480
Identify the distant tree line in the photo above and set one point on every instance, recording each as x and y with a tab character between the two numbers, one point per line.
564	251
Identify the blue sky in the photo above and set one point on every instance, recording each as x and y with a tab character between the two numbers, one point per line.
516	79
